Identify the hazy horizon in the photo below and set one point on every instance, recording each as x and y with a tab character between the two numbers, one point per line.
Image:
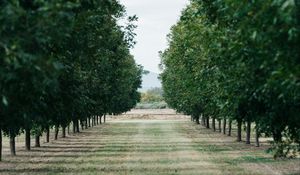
155	20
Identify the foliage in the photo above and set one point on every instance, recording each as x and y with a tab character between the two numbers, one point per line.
238	61
152	95
152	99
62	61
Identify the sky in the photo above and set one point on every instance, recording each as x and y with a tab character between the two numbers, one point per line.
156	17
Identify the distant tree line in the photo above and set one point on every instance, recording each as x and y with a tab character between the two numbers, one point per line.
152	99
63	62
238	62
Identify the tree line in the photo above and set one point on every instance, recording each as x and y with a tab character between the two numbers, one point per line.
63	62
238	62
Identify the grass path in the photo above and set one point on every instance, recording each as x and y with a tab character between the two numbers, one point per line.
146	147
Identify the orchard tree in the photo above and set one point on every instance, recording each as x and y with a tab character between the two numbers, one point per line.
63	62
227	61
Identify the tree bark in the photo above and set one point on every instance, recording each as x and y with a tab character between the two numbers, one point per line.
239	131
56	132
77	126
197	120
89	121
27	139
257	144
0	144
248	132
97	119
219	122
277	136
63	132
202	121
68	128
229	127
86	124
82	124
74	126
104	121
12	144
214	124
100	119
37	141
47	134
224	126
207	122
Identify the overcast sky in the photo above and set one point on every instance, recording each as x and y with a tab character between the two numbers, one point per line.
155	19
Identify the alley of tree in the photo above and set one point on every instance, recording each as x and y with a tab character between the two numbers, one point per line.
145	144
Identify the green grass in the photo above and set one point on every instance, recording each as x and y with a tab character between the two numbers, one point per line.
145	147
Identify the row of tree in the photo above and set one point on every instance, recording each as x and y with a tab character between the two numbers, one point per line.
63	61
238	61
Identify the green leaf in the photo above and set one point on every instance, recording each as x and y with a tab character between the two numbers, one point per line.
58	65
4	101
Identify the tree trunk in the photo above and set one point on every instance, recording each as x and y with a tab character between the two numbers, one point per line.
224	126
104	119
229	127
63	132
197	120
239	131
0	144
89	121
202	121
207	122
219	122
12	144
97	119
257	144
82	124
248	132
48	134
56	132
69	129
277	136
74	126
37	141
86	124
100	119
77	126
214	124
27	139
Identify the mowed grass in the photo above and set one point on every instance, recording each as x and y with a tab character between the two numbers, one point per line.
146	147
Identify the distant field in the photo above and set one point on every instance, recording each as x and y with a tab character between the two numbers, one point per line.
157	144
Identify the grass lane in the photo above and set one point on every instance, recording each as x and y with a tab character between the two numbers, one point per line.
146	147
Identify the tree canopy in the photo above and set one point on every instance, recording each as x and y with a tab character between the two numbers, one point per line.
63	61
238	60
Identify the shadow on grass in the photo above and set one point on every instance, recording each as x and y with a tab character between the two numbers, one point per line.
97	170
